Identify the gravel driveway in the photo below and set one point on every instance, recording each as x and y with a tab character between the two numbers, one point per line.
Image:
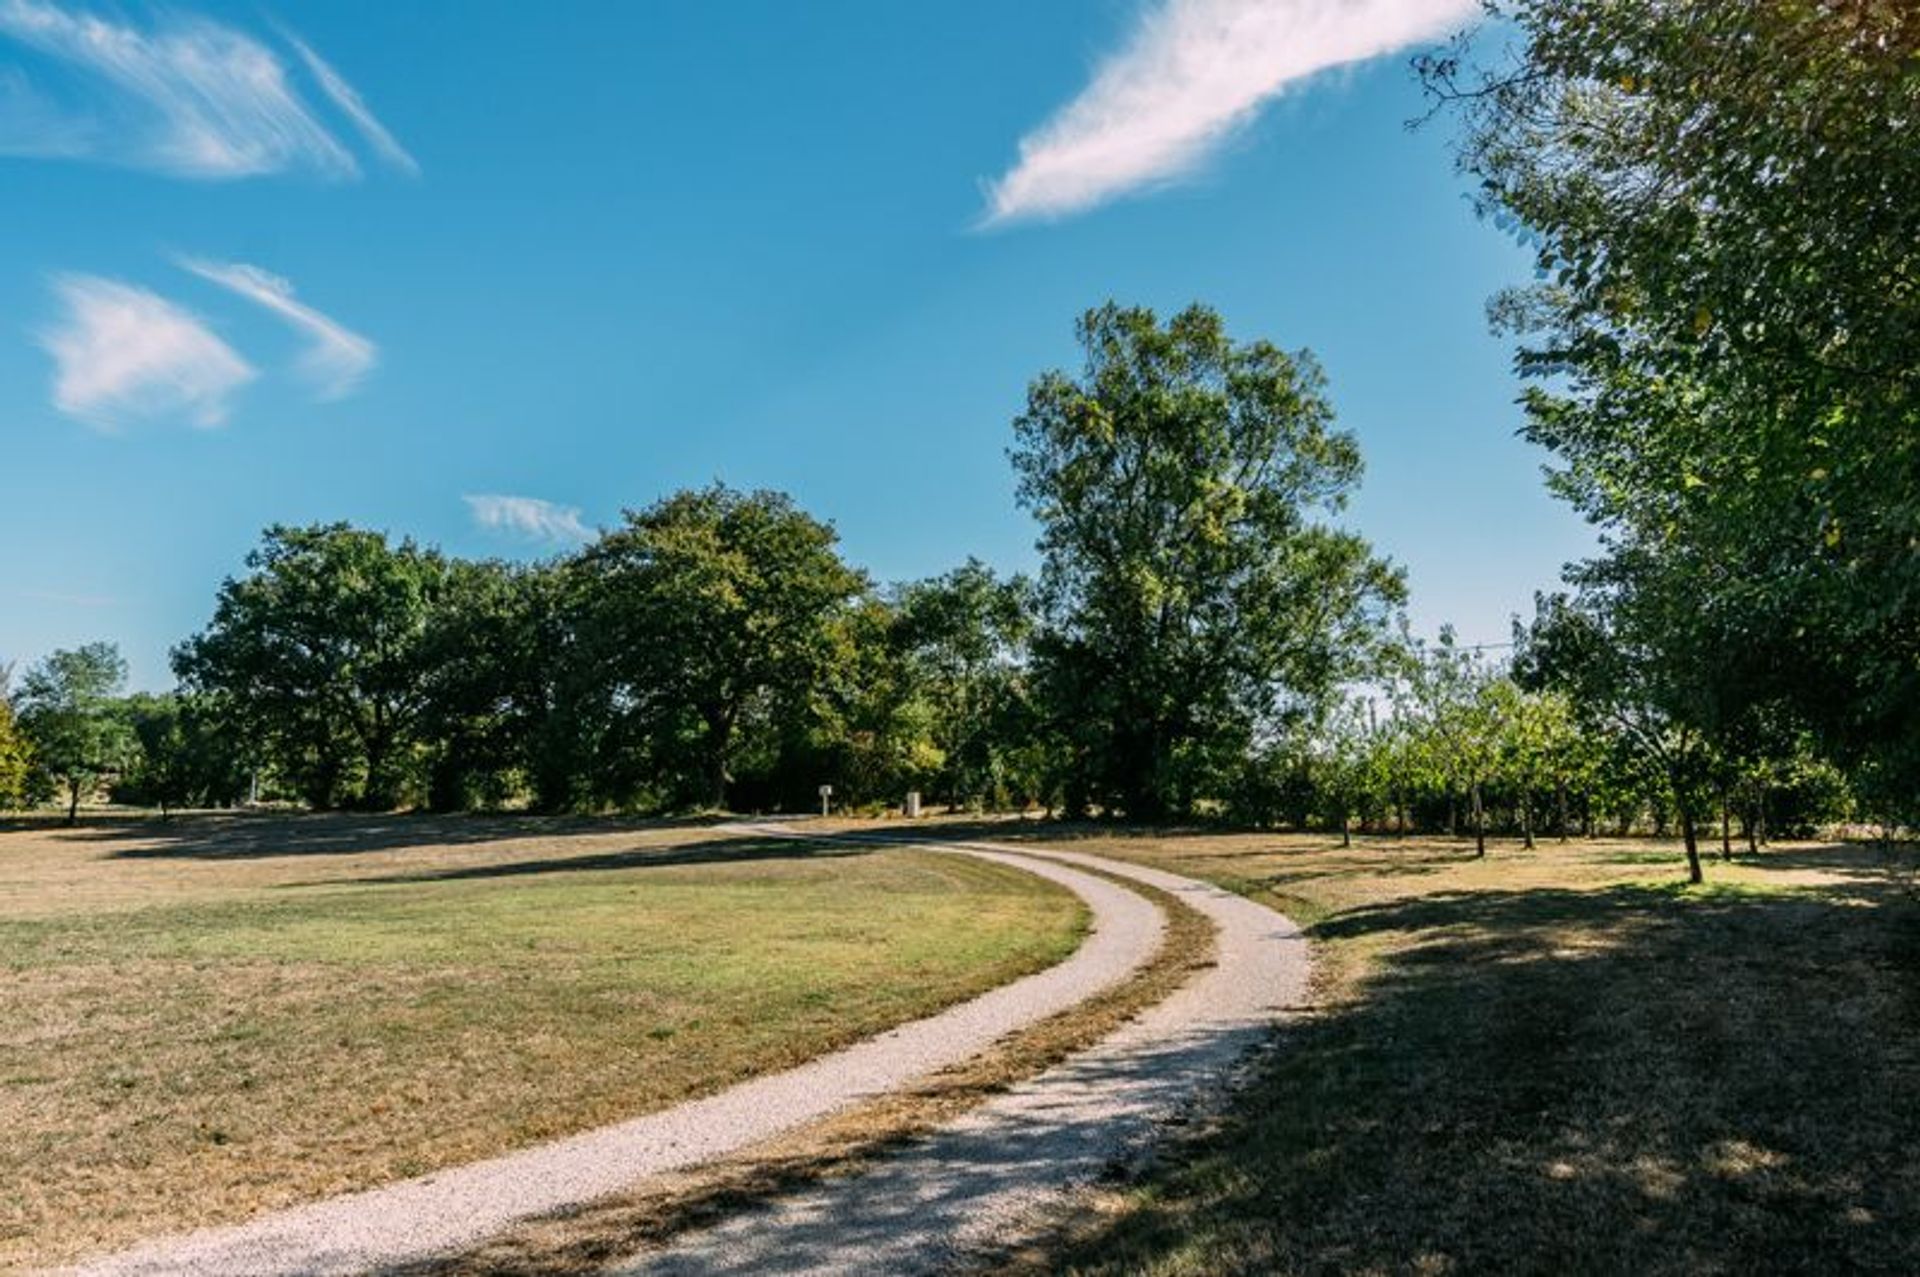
454	1209
983	1181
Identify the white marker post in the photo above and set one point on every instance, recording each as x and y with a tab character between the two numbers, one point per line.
826	797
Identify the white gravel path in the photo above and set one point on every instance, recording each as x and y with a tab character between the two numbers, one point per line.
454	1209
953	1200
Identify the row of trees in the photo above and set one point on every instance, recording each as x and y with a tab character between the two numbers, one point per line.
1199	643
1450	739
715	649
1441	738
1724	357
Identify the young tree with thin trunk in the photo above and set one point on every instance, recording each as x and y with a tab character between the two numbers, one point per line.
68	711
1460	717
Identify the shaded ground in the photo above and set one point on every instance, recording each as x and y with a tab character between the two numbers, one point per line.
1554	1062
190	1031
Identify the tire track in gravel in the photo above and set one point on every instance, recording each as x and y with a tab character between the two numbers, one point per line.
991	1178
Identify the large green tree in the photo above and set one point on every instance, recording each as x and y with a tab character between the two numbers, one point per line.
1724	201
68	710
705	611
319	653
1194	603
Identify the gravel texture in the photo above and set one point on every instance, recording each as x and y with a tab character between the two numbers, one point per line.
988	1179
454	1209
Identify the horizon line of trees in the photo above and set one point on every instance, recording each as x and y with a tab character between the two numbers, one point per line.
1720	355
1200	643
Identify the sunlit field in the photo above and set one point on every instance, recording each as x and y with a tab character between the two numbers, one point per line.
205	1018
1564	1060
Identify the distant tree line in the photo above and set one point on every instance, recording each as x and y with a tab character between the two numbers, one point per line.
1721	356
715	649
1200	643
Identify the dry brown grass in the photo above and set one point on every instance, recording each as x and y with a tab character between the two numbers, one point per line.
211	1018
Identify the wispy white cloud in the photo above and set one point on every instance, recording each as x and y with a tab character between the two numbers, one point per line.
1193	72
348	99
529	517
186	96
122	353
337	358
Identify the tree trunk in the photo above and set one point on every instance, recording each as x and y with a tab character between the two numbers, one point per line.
1479	823
1752	822
717	774
1453	815
1560	801
73	800
1726	829
1526	820
1688	833
1346	828
719	743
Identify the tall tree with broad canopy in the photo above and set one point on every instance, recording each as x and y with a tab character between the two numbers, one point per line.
1194	606
319	652
703	607
68	710
1724	202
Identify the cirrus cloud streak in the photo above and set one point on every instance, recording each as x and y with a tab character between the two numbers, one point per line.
336	359
1192	74
186	96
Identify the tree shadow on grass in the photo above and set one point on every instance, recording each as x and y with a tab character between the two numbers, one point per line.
710	851
246	836
1633	1079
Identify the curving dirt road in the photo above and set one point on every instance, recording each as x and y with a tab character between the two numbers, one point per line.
985	1181
454	1209
949	1200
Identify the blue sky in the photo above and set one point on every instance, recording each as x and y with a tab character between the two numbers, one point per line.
364	261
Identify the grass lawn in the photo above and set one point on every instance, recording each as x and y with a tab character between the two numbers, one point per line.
203	1019
1563	1061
